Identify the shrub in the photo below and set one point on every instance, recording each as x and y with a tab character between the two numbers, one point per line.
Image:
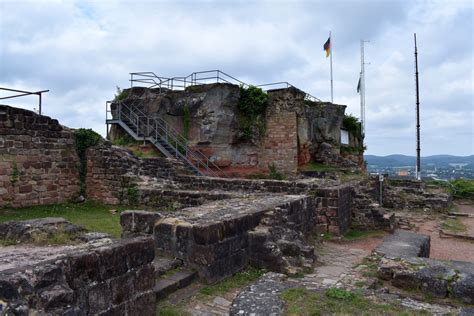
120	94
274	174
352	124
463	188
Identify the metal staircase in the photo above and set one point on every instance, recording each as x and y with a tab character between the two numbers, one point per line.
127	114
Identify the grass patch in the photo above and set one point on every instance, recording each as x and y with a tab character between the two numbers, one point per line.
335	301
463	188
360	284
238	280
166	309
90	215
454	225
313	166
353	234
368	268
327	236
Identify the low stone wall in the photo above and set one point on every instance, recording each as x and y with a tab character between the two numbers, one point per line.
214	238
248	185
38	160
335	215
113	173
405	265
110	280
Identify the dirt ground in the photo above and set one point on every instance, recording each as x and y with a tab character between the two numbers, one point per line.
444	248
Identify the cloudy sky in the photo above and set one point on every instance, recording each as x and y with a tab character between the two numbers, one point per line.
82	50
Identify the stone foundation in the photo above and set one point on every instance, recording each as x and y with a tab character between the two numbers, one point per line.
215	238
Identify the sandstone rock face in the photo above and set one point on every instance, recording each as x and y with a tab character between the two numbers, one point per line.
296	131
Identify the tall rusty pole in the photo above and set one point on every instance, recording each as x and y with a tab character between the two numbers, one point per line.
418	158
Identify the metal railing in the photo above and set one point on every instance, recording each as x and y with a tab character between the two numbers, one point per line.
23	93
159	133
151	80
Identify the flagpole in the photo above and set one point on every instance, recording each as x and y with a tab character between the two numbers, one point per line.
330	55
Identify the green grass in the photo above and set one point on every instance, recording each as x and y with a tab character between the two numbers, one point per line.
335	301
460	188
166	309
238	280
454	225
463	188
370	268
90	215
313	166
353	234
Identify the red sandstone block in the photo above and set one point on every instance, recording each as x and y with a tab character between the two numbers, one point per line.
25	188
334	229
322	219
331	212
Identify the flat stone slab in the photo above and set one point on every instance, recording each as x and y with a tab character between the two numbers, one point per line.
404	244
20	255
28	230
437	277
216	212
262	297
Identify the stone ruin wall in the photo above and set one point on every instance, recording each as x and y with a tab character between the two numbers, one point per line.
38	160
116	279
296	131
112	171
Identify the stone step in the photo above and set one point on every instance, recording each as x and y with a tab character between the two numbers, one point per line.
170	283
163	265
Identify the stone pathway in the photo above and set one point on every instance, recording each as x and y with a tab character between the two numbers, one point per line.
337	267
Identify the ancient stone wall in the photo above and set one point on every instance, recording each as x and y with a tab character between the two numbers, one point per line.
280	145
113	173
246	185
110	280
38	160
214	238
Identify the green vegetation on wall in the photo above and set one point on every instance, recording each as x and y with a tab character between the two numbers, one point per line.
186	121
15	173
353	126
84	138
252	105
120	94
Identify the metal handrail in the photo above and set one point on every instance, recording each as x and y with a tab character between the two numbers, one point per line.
25	93
158	129
200	78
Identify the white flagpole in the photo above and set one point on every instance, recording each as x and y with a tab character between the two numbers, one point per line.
330	55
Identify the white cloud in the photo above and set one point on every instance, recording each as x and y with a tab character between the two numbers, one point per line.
81	50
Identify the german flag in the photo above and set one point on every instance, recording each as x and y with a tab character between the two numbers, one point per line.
327	47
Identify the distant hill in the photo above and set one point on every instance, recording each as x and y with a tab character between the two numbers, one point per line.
402	160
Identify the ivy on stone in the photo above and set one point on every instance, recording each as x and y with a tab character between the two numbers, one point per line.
186	121
15	173
84	138
252	104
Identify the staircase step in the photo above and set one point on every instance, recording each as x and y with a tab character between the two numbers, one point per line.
171	282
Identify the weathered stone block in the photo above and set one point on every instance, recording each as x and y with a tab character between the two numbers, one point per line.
138	222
